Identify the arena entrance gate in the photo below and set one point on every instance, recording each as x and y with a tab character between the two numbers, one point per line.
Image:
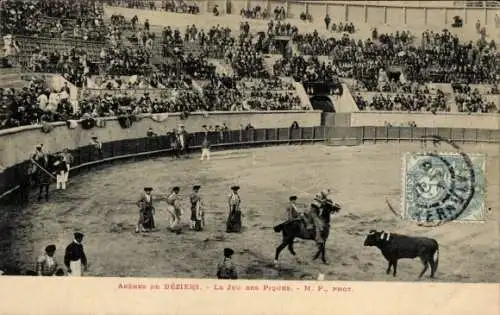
343	136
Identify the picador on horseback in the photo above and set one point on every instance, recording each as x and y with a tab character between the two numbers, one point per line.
311	218
311	225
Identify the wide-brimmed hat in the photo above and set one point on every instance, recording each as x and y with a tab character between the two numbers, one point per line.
235	187
228	252
50	248
196	187
148	188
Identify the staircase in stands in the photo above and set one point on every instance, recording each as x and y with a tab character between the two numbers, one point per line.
269	61
222	67
210	6
11	78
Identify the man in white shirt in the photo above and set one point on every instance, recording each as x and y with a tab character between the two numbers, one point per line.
43	101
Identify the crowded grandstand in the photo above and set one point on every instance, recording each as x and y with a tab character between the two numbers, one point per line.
112	65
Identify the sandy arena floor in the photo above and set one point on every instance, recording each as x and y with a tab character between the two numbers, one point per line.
102	205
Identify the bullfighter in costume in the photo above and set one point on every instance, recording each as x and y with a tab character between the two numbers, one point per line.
60	169
46	265
205	148
233	224
197	215
183	139
67	159
146	211
74	257
174	209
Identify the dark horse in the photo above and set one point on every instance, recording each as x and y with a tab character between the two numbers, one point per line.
42	177
297	228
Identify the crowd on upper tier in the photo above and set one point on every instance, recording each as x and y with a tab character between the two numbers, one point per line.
436	57
133	56
53	18
166	5
418	102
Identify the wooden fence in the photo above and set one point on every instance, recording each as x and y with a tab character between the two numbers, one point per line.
89	156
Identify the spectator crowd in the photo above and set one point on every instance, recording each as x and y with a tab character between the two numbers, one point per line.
398	66
53	18
404	102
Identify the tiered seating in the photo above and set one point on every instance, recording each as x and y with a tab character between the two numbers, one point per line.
150	68
418	102
471	99
55	17
179	6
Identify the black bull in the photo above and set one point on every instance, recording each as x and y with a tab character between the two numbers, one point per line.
396	246
296	229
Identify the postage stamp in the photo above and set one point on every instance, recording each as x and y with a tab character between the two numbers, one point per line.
440	187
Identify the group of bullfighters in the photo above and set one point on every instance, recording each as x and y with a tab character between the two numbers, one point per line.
146	222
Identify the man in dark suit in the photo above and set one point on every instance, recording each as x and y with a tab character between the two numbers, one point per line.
74	257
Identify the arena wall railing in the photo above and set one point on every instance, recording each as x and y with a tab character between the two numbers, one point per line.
89	156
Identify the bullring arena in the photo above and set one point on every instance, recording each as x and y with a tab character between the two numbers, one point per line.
353	121
102	203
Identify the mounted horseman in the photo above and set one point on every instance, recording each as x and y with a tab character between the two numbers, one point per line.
45	166
311	225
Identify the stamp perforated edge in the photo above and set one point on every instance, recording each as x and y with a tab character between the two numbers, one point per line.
403	208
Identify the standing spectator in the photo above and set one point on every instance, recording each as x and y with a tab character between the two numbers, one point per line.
227	269
46	265
327	21
74	257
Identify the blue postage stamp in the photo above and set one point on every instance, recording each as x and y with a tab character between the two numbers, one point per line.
439	187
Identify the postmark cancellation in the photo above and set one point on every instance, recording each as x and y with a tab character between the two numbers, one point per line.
443	187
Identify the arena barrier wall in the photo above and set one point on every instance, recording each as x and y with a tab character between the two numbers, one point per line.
17	143
88	156
427	120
